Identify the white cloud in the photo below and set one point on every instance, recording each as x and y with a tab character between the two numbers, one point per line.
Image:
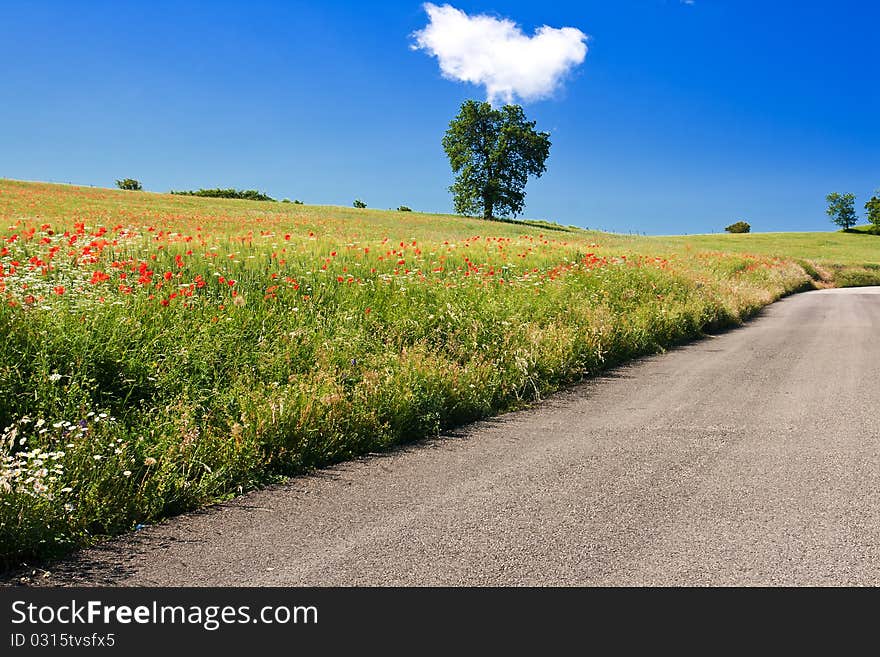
494	52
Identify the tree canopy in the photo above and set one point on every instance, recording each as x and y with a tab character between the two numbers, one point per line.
493	152
129	184
244	194
842	209
873	210
739	227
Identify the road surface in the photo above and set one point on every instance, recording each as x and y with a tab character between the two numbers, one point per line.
747	458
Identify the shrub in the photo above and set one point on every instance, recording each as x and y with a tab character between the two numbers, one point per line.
130	184
359	203
739	227
404	208
243	194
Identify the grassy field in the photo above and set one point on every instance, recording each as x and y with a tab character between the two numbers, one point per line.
162	352
843	259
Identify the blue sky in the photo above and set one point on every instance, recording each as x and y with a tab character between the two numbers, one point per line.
681	119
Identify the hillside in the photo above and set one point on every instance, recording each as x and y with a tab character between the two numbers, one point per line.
164	352
843	259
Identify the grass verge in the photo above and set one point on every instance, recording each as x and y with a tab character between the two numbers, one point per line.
166	352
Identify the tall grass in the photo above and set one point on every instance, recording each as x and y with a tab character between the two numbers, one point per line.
163	352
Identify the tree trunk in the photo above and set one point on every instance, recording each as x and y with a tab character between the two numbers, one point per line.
487	207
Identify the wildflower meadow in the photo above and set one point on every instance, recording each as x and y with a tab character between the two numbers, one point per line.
163	352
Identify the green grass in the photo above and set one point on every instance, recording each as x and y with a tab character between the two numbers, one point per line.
842	259
832	248
164	352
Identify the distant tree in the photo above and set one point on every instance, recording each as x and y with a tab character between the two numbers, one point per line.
296	201
873	210
359	203
739	227
404	208
130	184
842	209
241	194
493	152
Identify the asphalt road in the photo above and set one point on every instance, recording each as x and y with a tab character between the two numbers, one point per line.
751	457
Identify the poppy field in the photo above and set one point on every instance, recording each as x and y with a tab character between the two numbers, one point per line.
163	352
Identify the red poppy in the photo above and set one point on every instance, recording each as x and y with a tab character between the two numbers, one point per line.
99	277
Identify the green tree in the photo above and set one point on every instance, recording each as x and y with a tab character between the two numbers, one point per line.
739	227
842	209
873	210
493	152
243	194
359	203
129	184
